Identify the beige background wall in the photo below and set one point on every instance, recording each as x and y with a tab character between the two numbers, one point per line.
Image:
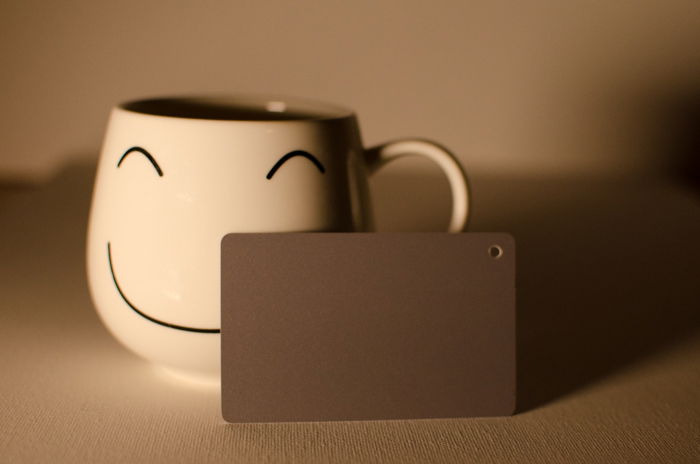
531	88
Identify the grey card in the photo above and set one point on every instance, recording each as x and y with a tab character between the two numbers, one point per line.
367	326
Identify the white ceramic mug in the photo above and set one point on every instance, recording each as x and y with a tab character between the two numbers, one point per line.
177	174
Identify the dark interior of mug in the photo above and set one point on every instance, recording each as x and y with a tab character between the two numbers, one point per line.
238	108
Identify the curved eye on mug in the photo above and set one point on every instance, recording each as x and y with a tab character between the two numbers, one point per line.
293	154
143	152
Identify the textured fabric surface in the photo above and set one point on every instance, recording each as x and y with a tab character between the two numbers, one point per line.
609	348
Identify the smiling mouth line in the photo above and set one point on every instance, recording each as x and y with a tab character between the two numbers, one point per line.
146	316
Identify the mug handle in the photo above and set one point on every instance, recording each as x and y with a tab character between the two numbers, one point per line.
378	156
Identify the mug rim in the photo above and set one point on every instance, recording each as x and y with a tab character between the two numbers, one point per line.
237	108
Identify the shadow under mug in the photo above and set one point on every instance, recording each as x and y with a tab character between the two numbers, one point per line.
177	174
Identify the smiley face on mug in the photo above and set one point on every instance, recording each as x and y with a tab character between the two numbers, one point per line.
173	293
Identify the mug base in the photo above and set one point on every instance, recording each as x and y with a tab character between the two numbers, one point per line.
192	378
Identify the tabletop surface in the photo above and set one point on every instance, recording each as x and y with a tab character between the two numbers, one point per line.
608	339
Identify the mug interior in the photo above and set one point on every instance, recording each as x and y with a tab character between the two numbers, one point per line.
238	108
